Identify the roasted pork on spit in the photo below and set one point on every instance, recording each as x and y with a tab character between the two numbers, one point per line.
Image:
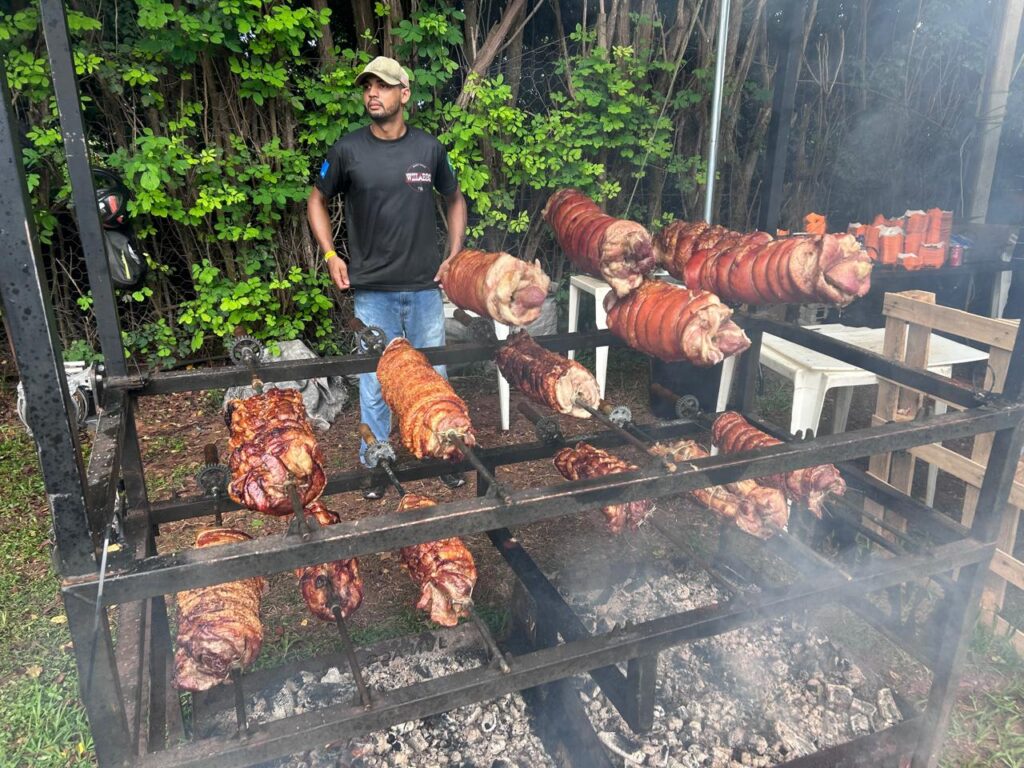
584	462
444	571
734	434
618	250
755	269
342	575
496	285
272	445
426	406
547	377
219	627
673	323
756	509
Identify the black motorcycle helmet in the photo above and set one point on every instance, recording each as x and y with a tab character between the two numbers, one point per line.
112	198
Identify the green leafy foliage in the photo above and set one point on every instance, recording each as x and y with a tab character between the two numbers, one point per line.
216	115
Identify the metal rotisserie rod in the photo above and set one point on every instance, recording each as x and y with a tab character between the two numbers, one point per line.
384	461
240	716
479	466
211	457
545	427
347	648
485	634
632	439
300	524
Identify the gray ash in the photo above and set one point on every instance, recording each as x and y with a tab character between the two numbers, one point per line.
756	696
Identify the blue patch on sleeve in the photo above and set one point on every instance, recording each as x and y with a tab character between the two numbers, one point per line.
323	168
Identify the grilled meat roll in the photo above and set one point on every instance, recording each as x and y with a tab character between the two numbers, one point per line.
755	269
547	377
618	250
674	323
584	462
424	403
218	626
496	285
811	485
271	443
756	509
342	576
444	571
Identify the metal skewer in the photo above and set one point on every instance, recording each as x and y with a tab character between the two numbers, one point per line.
600	413
240	716
301	524
492	483
380	455
322	582
493	651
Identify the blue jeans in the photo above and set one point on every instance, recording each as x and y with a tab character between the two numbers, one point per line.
417	315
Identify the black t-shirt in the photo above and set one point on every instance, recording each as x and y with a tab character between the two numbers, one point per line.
389	206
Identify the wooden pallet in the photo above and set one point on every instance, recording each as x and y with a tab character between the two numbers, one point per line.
911	317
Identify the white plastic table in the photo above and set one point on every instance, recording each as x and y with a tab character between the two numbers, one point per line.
597	288
501	331
813	374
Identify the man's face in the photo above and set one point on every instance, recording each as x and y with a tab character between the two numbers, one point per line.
382	101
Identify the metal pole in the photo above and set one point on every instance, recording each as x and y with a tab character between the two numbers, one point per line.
783	104
33	335
65	88
716	107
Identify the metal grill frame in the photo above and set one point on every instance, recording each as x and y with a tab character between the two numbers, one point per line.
125	686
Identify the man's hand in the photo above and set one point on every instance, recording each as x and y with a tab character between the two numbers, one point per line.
442	271
339	272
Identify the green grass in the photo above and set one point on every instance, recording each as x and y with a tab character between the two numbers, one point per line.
43	722
988	730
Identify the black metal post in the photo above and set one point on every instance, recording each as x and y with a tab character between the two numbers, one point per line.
33	334
641	677
783	104
76	148
749	368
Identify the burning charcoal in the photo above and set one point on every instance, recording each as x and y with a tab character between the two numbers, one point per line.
333	675
417	742
852	674
888	711
759	744
860	724
488	722
838	696
793	743
283	705
857	706
622	746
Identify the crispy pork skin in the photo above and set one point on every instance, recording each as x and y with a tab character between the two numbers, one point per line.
219	627
496	285
443	570
584	462
424	403
547	377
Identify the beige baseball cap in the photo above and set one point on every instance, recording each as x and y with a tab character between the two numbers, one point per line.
388	70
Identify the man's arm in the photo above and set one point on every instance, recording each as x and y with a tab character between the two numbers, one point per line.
320	222
457	216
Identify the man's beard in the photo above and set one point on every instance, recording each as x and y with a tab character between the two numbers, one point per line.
383	117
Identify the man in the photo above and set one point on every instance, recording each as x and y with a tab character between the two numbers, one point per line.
386	172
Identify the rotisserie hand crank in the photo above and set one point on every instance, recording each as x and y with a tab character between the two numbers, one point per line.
380	455
370	339
480	327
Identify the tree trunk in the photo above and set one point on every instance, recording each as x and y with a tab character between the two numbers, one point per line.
495	39
471	30
326	45
514	58
365	22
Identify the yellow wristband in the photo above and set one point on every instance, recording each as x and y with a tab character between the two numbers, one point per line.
330	255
